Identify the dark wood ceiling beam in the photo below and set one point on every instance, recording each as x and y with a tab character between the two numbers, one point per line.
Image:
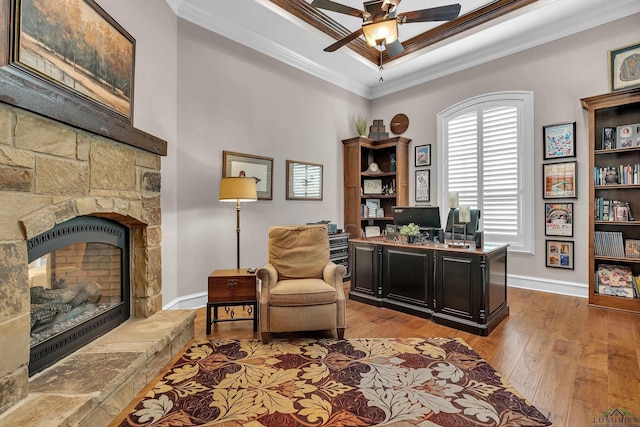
314	17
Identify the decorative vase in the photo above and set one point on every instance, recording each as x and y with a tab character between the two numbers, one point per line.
411	239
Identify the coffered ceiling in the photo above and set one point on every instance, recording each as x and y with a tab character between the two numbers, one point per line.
294	32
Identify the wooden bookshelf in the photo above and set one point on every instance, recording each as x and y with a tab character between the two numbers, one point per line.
612	110
359	153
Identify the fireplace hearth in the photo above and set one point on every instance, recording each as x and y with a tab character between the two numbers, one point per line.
79	286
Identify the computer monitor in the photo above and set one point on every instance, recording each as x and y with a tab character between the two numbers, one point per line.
425	217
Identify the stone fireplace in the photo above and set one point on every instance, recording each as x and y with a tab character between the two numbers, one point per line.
51	173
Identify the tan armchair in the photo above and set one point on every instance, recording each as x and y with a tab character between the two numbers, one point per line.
301	289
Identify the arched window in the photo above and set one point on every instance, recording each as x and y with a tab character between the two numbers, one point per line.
486	154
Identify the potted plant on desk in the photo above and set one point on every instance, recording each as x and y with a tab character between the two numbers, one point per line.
410	231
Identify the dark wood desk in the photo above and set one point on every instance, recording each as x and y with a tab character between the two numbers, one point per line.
462	288
229	288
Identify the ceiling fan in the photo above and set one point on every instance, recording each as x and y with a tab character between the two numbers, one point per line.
380	21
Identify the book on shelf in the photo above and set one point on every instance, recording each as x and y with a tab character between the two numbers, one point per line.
612	210
616	280
632	248
622	174
608	243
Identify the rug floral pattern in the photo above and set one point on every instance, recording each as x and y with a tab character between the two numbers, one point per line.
353	382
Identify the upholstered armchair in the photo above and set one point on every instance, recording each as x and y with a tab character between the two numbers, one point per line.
301	289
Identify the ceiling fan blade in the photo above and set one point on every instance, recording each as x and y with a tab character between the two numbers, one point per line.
337	45
337	7
394	48
443	13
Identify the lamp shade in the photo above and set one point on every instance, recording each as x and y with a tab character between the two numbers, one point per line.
453	199
378	32
238	189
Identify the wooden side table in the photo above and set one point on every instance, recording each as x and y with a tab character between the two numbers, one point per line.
233	287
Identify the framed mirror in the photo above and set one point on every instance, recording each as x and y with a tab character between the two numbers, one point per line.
304	180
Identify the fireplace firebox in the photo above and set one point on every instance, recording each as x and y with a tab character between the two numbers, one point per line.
79	286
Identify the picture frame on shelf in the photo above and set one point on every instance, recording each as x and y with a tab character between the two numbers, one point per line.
259	167
559	140
423	155
304	180
372	186
558	219
559	254
624	67
95	64
560	180
423	186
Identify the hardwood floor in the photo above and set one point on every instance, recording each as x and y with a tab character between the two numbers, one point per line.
572	361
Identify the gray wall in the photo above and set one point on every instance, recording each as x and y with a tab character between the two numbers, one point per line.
559	73
236	99
205	94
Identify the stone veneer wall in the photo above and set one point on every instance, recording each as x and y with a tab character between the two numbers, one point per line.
50	173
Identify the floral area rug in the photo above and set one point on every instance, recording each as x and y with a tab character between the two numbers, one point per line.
353	382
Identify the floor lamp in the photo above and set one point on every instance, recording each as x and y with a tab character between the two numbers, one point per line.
238	189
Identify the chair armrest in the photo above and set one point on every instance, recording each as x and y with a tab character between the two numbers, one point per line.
333	274
268	275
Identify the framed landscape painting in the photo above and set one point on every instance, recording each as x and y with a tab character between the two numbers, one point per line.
76	46
258	167
560	180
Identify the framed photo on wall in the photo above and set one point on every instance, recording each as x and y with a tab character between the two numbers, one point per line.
558	219
559	254
624	67
304	180
423	155
261	168
559	140
423	184
559	180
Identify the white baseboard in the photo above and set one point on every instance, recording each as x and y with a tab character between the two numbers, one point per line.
525	282
548	285
187	302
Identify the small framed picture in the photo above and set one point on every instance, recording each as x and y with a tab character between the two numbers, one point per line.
423	155
423	184
558	219
608	138
559	140
624	67
559	254
559	180
372	186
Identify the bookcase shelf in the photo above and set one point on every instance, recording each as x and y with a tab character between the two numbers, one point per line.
359	153
610	111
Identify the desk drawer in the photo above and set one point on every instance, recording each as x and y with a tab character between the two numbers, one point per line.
230	289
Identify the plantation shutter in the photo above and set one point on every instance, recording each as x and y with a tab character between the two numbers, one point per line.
483	167
500	200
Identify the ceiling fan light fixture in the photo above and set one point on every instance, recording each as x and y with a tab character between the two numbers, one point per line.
382	31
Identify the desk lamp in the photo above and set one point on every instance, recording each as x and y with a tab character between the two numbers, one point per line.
238	189
464	217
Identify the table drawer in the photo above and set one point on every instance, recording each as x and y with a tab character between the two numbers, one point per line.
229	289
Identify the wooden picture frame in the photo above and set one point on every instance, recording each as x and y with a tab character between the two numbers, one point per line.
30	90
423	155
304	180
423	186
372	186
559	140
83	64
559	254
624	67
560	180
558	219
261	168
